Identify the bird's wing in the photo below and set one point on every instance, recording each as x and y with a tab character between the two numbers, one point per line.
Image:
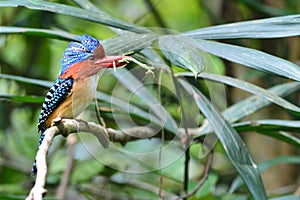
57	93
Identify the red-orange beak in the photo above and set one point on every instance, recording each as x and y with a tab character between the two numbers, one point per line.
112	61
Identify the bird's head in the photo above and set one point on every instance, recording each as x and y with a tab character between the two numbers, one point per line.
87	58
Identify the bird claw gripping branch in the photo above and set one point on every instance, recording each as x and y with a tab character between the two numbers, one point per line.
76	85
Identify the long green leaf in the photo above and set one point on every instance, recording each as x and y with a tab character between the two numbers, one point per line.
27	99
26	80
57	34
246	86
232	143
75	12
272	128
265	165
282	136
251	104
281	159
284	26
251	58
269	125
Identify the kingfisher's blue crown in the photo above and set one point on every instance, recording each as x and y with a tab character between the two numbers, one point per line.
77	52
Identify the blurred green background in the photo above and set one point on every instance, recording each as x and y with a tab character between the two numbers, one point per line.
38	57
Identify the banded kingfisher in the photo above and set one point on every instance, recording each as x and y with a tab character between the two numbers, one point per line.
76	85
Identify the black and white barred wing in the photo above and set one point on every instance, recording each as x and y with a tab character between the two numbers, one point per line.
57	93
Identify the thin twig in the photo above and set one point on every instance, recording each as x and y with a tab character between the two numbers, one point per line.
186	170
203	179
160	183
98	114
62	188
187	139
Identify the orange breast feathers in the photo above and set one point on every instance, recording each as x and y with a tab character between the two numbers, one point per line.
82	93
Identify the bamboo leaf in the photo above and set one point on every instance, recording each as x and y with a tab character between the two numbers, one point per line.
56	34
276	27
251	58
249	87
93	16
234	147
269	125
265	165
281	159
273	128
25	98
251	104
27	80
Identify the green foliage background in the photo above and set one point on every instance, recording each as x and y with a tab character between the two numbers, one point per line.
33	35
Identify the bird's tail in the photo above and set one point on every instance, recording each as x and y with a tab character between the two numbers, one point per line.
34	169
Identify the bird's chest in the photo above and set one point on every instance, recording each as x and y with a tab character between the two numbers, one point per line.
83	93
